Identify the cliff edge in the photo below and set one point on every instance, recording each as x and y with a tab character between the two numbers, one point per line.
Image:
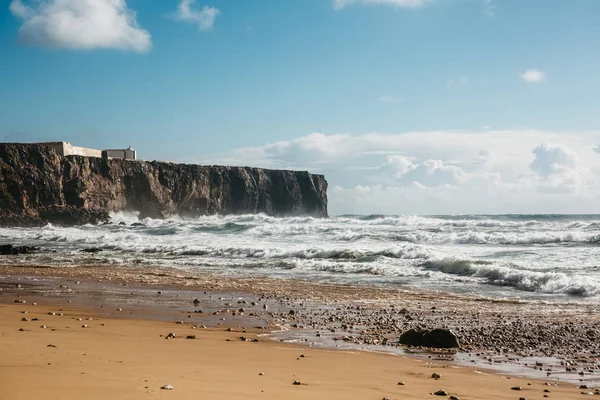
37	185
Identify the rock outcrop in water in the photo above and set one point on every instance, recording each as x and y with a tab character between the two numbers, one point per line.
37	186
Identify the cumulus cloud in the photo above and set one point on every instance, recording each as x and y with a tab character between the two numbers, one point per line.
426	173
484	171
339	4
204	18
533	76
558	167
552	159
80	24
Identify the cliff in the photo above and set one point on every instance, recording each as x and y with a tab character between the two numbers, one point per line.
37	186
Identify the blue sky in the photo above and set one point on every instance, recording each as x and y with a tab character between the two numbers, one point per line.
231	80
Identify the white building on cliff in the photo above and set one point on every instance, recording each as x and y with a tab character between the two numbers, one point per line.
67	149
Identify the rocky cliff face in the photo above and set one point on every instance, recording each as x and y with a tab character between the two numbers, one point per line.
37	185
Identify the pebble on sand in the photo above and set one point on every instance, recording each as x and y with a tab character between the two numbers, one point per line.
516	388
296	383
436	376
441	392
166	387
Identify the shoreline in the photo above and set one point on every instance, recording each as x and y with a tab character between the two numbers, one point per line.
106	353
319	319
130	359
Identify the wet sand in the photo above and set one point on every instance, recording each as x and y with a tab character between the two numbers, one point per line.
130	359
212	366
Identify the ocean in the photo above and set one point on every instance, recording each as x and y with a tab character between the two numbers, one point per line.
553	258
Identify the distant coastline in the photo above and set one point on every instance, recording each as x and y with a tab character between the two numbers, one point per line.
38	185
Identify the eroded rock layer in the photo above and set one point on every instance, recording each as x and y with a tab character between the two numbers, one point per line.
37	185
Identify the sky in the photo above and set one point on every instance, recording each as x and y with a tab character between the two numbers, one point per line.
406	106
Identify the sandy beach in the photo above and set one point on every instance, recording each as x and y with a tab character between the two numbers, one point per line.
130	359
77	344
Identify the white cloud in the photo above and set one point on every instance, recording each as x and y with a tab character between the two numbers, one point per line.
552	159
80	24
485	171
533	76
205	18
489	8
597	149
339	4
391	99
558	167
426	173
460	82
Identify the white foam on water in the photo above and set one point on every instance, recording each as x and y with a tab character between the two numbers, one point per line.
505	255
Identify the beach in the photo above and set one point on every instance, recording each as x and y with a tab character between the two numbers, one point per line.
110	341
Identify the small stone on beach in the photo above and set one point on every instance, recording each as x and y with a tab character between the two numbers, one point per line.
166	387
441	392
436	376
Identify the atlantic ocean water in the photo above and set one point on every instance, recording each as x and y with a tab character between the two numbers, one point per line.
553	258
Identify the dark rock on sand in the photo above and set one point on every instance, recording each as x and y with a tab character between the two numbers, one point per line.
9	249
441	393
93	250
437	338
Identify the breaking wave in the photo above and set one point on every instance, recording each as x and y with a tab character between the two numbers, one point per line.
510	255
512	276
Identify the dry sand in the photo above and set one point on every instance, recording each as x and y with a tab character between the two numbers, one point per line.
128	359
